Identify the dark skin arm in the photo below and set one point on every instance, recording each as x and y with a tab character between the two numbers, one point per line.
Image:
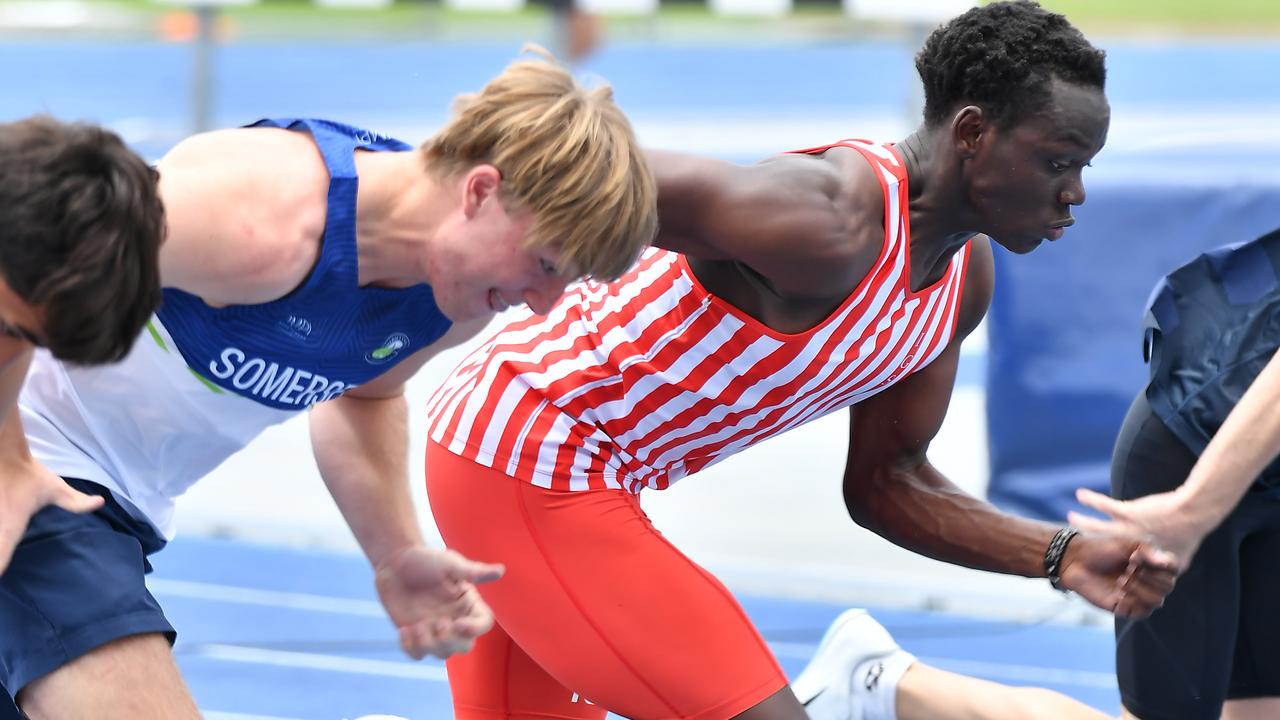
891	488
785	240
809	225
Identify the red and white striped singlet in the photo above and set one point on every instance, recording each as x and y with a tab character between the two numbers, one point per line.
642	381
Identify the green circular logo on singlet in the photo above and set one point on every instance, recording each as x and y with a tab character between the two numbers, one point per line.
388	350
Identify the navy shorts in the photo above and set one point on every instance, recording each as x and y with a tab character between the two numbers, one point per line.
75	583
1215	637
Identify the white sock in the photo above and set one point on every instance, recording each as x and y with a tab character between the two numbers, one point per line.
881	702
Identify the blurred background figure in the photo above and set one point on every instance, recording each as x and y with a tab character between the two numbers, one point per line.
576	33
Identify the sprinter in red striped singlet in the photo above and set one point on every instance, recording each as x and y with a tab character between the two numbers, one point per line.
840	276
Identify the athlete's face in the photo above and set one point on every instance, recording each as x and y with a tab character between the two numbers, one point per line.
482	266
1024	179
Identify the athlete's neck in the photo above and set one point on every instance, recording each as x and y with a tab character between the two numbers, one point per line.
939	222
399	208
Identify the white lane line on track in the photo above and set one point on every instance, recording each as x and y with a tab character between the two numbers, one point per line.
218	715
384	668
369	608
268	598
316	661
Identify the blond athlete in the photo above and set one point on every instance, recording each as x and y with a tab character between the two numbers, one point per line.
311	266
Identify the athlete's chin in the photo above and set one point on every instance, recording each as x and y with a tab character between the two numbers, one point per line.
460	314
1020	245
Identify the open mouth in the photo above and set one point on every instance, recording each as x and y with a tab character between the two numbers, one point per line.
496	302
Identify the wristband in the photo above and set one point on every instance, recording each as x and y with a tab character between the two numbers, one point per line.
1053	556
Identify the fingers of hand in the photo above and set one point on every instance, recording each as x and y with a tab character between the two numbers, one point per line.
72	500
1098	501
9	537
1143	588
1089	523
414	642
440	638
485	572
1156	558
462	570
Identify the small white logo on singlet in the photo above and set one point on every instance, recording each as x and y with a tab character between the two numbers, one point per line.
365	137
298	327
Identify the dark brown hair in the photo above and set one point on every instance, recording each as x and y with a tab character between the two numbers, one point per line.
80	230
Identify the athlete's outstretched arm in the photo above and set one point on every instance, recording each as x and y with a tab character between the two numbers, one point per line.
1178	520
360	441
810	225
891	488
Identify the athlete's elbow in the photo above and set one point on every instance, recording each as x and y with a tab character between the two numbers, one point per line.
860	498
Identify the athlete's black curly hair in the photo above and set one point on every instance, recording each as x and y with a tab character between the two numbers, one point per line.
1001	57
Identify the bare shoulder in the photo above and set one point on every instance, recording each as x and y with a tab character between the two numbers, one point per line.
834	237
246	210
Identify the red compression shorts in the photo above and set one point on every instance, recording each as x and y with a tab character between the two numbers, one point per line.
596	607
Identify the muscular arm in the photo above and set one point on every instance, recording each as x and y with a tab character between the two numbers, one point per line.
361	444
801	221
891	488
360	441
1247	442
245	210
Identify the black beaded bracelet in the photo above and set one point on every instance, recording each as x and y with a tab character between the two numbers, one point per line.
1053	556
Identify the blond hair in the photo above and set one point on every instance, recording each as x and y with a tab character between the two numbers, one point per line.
567	155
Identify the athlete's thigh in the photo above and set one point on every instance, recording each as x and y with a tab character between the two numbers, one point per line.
133	678
1256	665
497	680
601	601
1177	662
75	582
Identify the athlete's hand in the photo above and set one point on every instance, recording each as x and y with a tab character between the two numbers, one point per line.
1120	574
26	486
432	599
1163	519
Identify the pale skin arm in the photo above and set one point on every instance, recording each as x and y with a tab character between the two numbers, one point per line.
246	209
360	441
1178	520
26	486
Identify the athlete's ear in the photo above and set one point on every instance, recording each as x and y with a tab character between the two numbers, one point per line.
968	126
479	185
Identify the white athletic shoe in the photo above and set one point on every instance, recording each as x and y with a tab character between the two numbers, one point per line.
827	687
